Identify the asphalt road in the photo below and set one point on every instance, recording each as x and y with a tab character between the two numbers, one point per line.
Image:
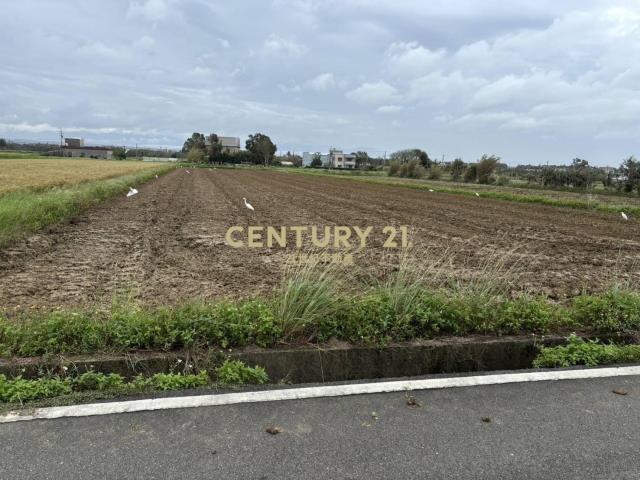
574	429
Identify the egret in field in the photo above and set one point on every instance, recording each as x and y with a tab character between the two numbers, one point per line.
247	204
188	172
156	176
624	216
431	189
477	194
132	191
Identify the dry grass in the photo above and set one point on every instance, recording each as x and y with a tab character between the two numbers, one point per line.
40	174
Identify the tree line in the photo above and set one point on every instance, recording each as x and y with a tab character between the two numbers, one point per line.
199	148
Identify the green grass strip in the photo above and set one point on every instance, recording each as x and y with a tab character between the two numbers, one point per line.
374	317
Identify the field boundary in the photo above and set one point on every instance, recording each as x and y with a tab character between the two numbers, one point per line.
504	196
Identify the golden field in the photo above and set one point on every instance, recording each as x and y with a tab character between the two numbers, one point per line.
39	174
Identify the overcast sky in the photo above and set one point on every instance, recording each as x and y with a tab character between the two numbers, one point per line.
532	81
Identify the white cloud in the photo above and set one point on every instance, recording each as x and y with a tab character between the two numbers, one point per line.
152	10
410	58
389	109
373	93
279	46
324	81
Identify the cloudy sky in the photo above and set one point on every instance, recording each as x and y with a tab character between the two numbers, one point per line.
532	81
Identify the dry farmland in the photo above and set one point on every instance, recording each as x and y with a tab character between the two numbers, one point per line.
38	174
167	244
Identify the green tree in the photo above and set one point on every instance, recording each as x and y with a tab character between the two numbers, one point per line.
196	140
630	170
119	153
196	155
362	159
3	143
262	146
405	156
457	169
213	147
316	161
486	166
470	173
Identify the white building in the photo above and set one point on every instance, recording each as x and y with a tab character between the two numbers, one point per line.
334	159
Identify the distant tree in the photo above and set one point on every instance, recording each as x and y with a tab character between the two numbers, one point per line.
486	166
580	175
405	156
119	153
262	146
457	169
435	172
213	147
316	161
362	159
470	173
196	155
196	140
394	168
630	170
3	143
413	169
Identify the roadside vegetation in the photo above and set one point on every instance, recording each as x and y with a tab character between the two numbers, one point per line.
589	353
33	207
322	302
20	390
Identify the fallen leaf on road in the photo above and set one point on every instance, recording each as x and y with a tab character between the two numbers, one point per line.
620	391
273	430
486	419
413	401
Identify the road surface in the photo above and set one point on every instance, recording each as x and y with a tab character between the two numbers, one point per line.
557	430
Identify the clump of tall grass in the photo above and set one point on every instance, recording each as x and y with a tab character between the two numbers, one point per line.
308	293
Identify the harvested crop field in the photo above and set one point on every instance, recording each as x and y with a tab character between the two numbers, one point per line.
167	245
38	173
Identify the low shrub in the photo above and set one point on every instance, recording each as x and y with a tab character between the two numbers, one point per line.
236	372
588	353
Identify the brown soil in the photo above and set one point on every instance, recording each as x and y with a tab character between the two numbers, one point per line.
166	244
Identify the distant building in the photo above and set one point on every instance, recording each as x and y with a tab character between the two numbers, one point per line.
229	144
334	159
74	142
338	159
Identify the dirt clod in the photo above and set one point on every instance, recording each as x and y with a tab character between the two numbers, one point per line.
273	430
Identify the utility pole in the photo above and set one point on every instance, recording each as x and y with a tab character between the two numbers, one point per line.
61	140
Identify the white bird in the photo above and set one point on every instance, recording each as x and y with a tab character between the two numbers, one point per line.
132	191
477	194
431	189
156	176
247	204
624	215
188	172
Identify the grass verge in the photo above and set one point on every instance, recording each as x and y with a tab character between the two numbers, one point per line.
26	212
377	316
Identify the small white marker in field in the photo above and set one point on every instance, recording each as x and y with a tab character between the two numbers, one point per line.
247	204
132	191
624	216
